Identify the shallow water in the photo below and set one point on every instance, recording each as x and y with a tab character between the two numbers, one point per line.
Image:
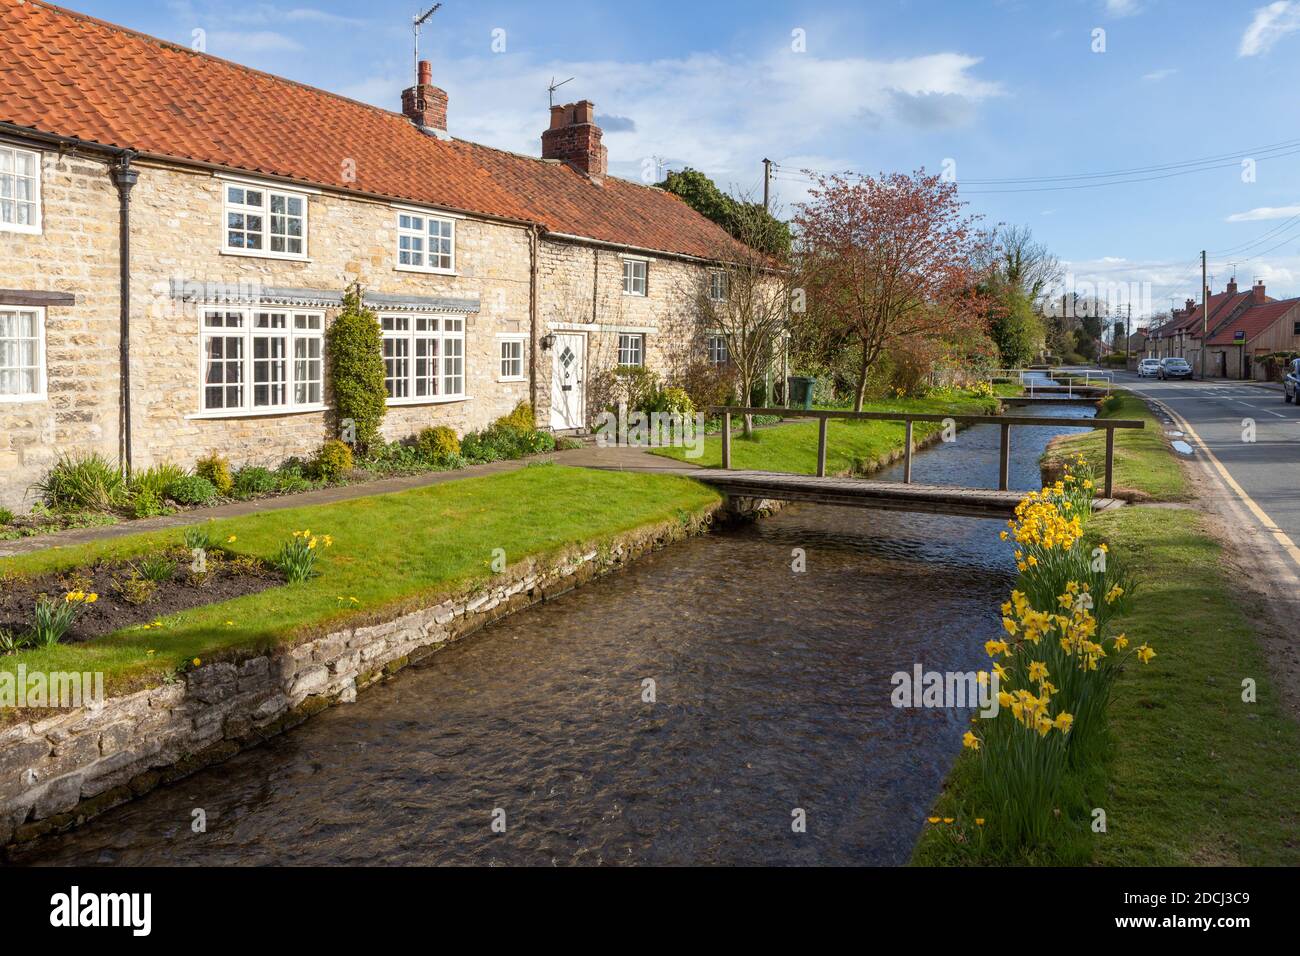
772	693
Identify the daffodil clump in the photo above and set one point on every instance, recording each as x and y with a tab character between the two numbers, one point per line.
1055	660
54	618
296	558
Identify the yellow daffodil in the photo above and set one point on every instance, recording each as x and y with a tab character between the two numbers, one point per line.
1145	653
971	741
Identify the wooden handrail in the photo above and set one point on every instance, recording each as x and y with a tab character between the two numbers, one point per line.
823	418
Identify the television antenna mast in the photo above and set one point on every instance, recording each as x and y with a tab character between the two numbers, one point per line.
555	86
418	21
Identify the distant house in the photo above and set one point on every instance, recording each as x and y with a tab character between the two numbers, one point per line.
1241	326
176	233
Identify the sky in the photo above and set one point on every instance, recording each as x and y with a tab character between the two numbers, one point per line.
1013	99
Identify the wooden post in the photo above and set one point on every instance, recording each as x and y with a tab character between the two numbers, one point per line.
821	447
726	441
1004	459
907	455
1110	460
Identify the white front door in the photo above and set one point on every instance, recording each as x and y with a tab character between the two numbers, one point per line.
568	381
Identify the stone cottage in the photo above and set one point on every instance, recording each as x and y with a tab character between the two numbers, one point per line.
176	233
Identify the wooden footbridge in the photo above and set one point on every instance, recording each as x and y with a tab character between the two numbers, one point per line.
894	495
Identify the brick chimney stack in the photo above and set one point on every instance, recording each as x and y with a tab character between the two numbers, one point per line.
424	104
1232	286
574	138
1259	298
1191	304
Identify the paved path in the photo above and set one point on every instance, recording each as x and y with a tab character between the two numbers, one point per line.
1263	475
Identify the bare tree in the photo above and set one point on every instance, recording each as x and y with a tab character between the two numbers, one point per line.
745	299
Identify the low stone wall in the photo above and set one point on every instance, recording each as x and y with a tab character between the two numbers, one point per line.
59	771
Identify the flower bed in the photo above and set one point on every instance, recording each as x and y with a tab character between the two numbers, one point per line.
106	596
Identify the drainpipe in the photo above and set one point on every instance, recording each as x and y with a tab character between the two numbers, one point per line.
124	178
533	341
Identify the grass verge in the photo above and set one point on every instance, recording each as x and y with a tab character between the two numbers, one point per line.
852	447
1193	775
1145	468
391	553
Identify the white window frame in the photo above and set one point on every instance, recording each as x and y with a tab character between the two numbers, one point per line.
228	208
32	228
718	353
414	328
41	392
512	339
312	330
718	279
630	277
639	349
411	232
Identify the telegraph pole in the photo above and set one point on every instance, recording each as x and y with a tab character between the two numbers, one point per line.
1128	336
1205	311
767	185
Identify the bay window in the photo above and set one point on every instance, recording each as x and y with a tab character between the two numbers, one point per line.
262	360
22	355
424	358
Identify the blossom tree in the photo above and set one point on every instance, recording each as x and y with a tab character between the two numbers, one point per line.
890	260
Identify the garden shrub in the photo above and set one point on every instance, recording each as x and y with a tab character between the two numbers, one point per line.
6	517
217	470
148	503
291	478
673	401
520	419
253	481
439	443
83	483
355	348
192	490
333	461
156	479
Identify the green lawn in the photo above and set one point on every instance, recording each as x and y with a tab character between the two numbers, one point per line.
1144	462
851	446
391	552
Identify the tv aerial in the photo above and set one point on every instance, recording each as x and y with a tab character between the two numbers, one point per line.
418	21
555	86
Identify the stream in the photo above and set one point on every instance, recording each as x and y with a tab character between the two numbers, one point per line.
772	692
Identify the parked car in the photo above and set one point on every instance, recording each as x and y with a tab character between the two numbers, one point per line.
1174	368
1149	368
1291	382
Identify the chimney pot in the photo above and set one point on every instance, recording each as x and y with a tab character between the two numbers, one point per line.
424	104
575	138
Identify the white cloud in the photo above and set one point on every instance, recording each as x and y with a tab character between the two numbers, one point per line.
1265	213
1270	24
1155	76
721	114
1122	8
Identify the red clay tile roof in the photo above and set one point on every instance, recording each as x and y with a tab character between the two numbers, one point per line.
1253	321
64	73
1221	306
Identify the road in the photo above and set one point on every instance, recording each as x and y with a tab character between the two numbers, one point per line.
1266	470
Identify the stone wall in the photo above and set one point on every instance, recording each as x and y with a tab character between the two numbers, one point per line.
178	235
580	288
59	771
77	253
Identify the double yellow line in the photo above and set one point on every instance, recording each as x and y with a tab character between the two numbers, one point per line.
1283	539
